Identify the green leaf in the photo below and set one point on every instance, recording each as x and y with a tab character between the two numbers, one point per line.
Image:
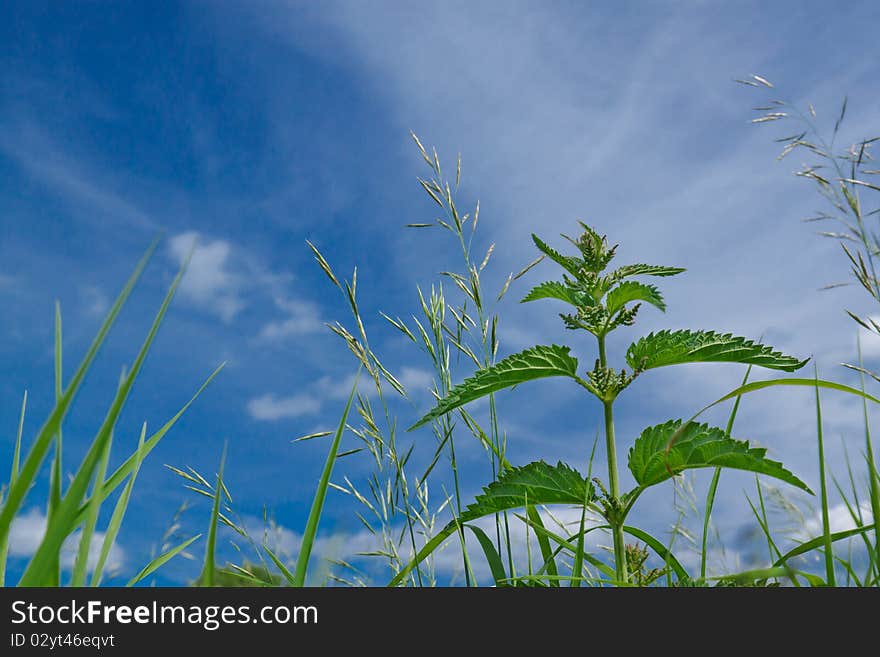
492	556
819	541
34	459
291	580
543	544
556	290
644	270
63	520
311	530
535	363
571	265
209	567
118	512
633	291
533	484
675	347
653	460
161	560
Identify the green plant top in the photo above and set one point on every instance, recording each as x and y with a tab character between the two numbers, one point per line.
602	301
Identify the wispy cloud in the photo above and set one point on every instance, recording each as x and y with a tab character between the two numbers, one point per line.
66	175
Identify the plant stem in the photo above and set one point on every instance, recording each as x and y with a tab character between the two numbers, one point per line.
613	484
823	492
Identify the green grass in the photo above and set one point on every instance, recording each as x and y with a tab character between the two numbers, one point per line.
402	502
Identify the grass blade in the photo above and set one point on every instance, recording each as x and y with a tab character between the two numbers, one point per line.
873	477
819	541
64	522
161	560
209	567
131	462
823	494
543	544
118	512
280	565
16	460
49	430
492	556
308	540
81	564
713	486
57	464
662	551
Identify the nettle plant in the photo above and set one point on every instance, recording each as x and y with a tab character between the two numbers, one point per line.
602	302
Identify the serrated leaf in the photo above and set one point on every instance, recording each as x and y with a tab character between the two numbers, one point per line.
652	461
556	290
533	484
645	270
633	291
571	265
675	347
535	363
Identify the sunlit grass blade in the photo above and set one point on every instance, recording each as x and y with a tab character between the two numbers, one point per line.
54	576
755	386
161	560
819	541
16	462
662	551
81	563
49	430
308	539
64	521
118	512
713	485
492	556
750	577
823	494
209	564
128	466
280	565
574	549
873	477
578	565
543	544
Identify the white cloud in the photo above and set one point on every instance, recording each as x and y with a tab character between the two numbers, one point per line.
839	520
27	532
208	280
272	407
303	317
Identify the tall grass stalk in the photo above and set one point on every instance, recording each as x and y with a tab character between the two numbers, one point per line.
13	475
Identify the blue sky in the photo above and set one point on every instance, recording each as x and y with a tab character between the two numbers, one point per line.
253	127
